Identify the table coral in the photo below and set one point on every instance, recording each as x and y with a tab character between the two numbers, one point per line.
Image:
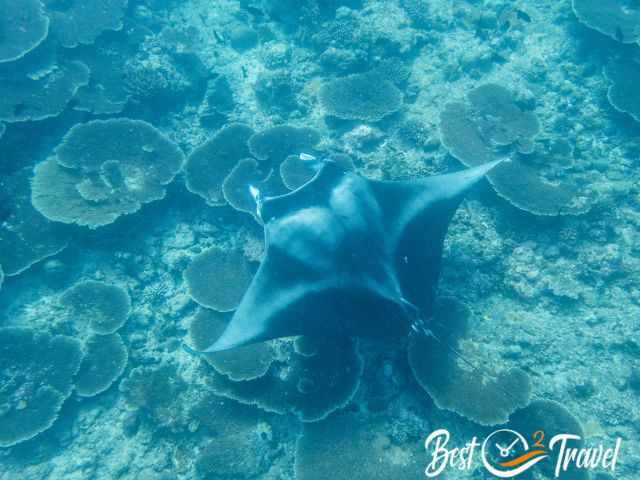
26	237
245	363
235	188
104	361
480	130
452	383
623	93
276	143
309	383
106	91
296	172
75	22
23	26
240	449
157	391
208	165
218	278
104	169
614	18
348	446
39	85
36	377
104	308
553	419
368	97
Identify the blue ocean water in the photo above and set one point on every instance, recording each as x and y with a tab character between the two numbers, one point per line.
380	333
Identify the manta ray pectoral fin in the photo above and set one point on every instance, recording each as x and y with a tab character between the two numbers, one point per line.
417	214
454	185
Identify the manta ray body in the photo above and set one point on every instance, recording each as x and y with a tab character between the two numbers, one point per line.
346	255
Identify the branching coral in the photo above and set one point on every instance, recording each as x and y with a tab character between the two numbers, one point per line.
479	131
244	363
105	308
623	93
346	446
368	97
39	85
455	387
218	278
75	22
104	169
208	165
26	237
617	19
23	26
309	383
36	374
104	361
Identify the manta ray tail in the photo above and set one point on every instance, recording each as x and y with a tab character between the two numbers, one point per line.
420	327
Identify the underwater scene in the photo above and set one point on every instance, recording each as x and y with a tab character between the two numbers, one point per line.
319	239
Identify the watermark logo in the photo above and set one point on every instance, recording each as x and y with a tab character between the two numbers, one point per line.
506	453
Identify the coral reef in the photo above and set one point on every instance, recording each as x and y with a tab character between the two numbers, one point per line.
208	165
623	93
106	92
23	26
296	172
242	448
36	372
104	308
75	22
245	363
219	103
218	278
276	143
156	391
39	85
553	419
235	187
348	446
452	383
104	361
479	131
308	383
406	88
104	169
616	19
26	237
368	97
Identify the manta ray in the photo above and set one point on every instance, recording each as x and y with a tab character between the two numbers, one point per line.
346	255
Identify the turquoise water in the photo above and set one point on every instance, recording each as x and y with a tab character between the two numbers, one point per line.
130	133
